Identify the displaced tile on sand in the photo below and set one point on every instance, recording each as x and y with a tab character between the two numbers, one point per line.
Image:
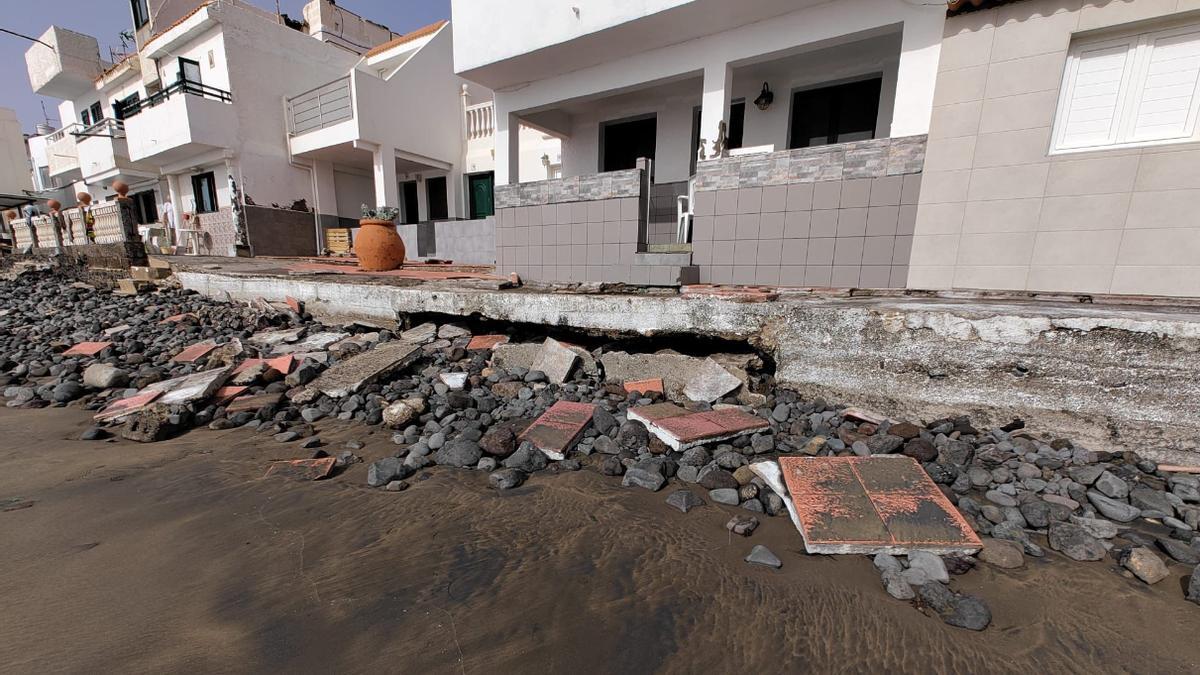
127	406
180	317
652	385
195	352
711	382
194	387
302	469
883	503
555	360
346	377
558	428
681	429
426	332
481	342
281	363
87	349
274	338
226	394
253	403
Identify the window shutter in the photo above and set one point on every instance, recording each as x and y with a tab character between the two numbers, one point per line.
1094	96
1166	96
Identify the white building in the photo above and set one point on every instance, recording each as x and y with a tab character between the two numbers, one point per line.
15	169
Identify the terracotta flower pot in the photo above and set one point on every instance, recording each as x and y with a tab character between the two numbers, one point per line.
84	198
378	246
54	205
121	188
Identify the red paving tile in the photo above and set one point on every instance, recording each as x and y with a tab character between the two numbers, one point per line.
681	429
293	303
226	394
195	351
656	412
302	469
87	349
645	386
281	363
872	504
481	342
127	405
421	273
559	427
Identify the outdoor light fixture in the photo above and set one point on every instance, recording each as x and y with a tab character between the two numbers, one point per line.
765	98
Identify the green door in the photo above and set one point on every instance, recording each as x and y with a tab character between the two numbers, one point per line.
481	195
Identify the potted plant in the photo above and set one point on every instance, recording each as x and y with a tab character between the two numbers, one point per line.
378	246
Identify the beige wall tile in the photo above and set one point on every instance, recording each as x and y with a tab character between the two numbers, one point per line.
950	154
944	186
958	119
967	40
1005	148
1070	278
961	85
939	218
991	276
1008	182
1001	248
1002	215
1169	171
1025	111
1026	75
1092	176
1179	281
1176	246
937	249
1164	208
1086	247
1101	14
1036	28
932	277
1087	212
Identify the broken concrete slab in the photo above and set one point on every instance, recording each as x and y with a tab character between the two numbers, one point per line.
311	343
194	387
253	403
681	429
115	330
177	318
555	360
557	430
127	406
283	364
347	377
426	332
87	349
226	354
711	382
486	342
648	386
877	504
455	381
195	352
302	469
524	354
274	338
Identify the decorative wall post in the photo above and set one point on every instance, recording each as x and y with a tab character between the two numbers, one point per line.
127	214
241	237
56	221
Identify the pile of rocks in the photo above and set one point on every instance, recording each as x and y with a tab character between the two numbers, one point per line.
461	406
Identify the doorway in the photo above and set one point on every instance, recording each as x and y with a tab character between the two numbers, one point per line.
435	196
480	190
409	209
839	113
204	192
146	207
623	142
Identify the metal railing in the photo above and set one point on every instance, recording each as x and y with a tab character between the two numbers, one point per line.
62	133
321	107
107	127
180	87
481	120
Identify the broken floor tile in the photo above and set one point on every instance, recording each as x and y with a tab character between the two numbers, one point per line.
882	503
115	330
863	416
312	343
194	387
179	317
652	385
281	363
346	377
556	360
558	428
87	349
274	338
419	335
194	352
127	406
302	469
681	429
253	403
481	342
226	394
711	382
293	304
455	381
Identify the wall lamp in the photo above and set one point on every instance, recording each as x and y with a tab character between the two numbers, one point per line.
765	98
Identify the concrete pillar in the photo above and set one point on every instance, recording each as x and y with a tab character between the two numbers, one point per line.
325	201
916	74
508	147
387	190
176	197
423	198
714	106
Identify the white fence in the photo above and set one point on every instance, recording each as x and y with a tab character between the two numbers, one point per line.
318	108
106	227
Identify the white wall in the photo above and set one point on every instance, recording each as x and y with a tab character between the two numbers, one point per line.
338	26
15	173
353	189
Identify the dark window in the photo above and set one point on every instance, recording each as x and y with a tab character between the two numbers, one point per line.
97	113
409	212
204	192
623	143
837	114
120	105
695	141
480	191
737	123
141	13
146	207
435	195
85	117
189	70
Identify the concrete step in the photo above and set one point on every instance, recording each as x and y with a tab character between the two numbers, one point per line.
668	248
671	259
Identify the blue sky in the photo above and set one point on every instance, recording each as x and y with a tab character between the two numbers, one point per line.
105	19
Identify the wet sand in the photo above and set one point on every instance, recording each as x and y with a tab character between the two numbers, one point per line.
180	557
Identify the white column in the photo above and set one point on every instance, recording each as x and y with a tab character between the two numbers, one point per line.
387	191
423	198
714	106
508	147
325	200
176	198
916	75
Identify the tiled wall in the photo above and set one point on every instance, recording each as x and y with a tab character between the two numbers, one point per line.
466	241
997	211
838	215
664	209
593	240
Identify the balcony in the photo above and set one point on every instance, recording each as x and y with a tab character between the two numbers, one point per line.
479	123
182	120
62	153
322	117
63	63
104	154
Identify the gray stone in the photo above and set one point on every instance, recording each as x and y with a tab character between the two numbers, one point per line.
684	500
997	497
460	453
1013	532
961	611
1113	509
727	496
527	458
1074	542
1193	589
1096	527
1153	503
104	376
1085	475
555	360
651	480
1111	486
932	565
506	479
1144	564
1003	554
886	562
711	382
1179	551
761	555
384	471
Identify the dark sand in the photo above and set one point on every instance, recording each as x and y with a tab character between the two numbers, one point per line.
179	557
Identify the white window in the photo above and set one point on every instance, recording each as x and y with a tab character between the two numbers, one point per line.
1129	91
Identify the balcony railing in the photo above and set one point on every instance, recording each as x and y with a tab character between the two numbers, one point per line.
180	87
71	128
481	120
321	107
108	128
